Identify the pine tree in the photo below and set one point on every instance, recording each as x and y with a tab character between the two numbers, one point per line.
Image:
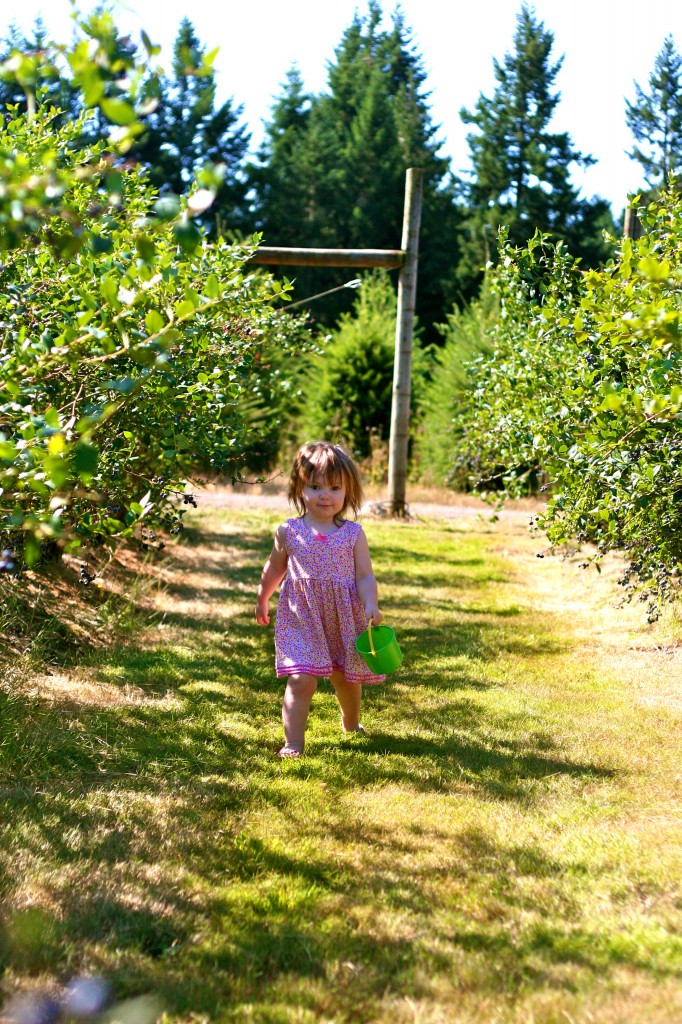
332	171
655	118
284	172
521	170
187	130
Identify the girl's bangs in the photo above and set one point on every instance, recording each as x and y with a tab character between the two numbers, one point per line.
325	464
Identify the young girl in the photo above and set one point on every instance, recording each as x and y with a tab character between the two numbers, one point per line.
329	591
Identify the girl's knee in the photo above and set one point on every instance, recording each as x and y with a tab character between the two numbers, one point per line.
302	684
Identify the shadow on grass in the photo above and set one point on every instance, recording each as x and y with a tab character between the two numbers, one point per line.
134	818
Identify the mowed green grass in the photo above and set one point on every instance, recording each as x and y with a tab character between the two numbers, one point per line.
502	847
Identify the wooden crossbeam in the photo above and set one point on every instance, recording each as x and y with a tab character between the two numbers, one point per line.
389	259
406	259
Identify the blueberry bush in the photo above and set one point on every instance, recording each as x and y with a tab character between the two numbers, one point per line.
130	345
583	389
446	393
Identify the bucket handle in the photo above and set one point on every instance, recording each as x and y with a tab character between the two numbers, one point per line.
371	641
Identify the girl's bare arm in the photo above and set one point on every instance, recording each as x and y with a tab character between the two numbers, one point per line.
273	573
365	580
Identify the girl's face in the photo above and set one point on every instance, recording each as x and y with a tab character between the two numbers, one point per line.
324	498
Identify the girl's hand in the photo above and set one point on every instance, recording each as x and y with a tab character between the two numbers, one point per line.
364	579
372	612
273	573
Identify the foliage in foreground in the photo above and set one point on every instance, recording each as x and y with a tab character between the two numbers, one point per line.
584	386
130	346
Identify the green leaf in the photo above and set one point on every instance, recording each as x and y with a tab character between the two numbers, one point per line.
7	450
152	49
184	308
85	458
212	288
56	471
209	58
187	235
114	183
100	244
68	244
31	549
93	90
118	111
146	248
167	207
612	401
109	290
154	322
654	269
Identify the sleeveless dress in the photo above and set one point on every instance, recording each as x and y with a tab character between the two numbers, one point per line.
319	612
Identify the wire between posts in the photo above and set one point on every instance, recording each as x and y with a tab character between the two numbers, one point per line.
355	283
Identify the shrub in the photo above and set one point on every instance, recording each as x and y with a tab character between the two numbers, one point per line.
447	393
584	384
350	384
129	343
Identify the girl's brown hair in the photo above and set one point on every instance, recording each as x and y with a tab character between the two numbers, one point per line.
332	462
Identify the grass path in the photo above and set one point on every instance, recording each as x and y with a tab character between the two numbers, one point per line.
502	848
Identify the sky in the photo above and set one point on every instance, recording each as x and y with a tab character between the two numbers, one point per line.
607	46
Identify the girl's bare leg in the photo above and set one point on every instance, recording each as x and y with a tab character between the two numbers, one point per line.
349	696
295	708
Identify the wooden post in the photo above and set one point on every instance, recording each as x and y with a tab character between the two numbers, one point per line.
402	371
633	226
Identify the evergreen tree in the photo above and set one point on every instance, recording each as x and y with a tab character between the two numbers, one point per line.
332	170
655	118
284	171
521	170
187	130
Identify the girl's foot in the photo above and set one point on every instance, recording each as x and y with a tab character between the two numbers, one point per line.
360	729
288	751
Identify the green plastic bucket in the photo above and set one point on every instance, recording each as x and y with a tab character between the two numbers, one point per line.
387	655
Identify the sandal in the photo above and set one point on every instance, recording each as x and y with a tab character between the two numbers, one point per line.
360	729
286	751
